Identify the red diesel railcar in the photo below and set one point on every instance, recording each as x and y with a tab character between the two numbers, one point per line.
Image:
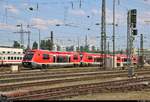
44	59
90	59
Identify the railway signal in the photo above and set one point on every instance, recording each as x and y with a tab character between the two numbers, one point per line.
131	33
134	32
133	17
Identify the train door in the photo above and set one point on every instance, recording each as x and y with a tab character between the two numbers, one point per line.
45	59
54	59
1	59
69	59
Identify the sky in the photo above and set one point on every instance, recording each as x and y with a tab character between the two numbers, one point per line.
75	20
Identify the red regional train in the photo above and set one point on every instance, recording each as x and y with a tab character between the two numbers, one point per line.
45	58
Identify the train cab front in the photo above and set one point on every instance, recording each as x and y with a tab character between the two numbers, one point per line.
27	59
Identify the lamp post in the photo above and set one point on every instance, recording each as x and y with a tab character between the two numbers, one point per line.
113	34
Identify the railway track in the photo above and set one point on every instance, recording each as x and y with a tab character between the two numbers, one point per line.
41	72
17	83
48	75
20	75
29	70
56	70
83	89
35	81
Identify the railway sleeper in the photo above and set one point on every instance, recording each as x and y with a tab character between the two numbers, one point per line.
82	92
86	86
57	96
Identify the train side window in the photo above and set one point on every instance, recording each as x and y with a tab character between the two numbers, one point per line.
14	58
11	58
118	58
19	52
17	58
75	57
54	58
20	58
89	57
45	56
8	52
0	58
125	59
8	58
14	52
62	59
97	59
3	52
4	58
70	59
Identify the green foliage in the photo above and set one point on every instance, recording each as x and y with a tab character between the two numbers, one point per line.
46	44
35	45
16	44
77	49
86	48
71	48
81	48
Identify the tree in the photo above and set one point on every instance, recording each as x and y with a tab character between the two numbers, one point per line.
81	48
121	51
49	45
42	44
77	49
16	44
46	45
35	45
86	48
67	48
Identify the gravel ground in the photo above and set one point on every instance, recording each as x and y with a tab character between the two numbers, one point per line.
134	95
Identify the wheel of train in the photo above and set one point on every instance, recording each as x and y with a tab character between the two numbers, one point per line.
44	66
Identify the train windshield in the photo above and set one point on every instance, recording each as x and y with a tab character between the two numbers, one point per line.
28	56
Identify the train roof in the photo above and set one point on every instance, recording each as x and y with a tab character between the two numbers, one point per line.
9	47
53	52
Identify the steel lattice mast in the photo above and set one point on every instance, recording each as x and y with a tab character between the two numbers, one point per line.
103	32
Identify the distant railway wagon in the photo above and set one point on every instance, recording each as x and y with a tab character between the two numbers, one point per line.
10	56
122	60
44	58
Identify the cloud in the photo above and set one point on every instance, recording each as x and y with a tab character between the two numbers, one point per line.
77	12
43	24
95	11
147	2
120	17
12	9
54	22
7	26
142	17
